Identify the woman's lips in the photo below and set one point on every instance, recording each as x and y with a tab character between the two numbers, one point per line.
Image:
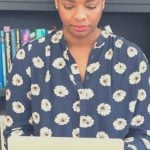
80	28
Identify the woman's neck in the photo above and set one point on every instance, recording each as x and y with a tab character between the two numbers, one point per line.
81	42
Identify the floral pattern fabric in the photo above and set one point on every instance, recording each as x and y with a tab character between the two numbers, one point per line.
46	96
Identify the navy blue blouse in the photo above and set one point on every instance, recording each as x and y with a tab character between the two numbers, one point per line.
46	96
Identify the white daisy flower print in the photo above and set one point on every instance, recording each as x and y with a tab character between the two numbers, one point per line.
59	34
28	71
120	68
74	69
28	94
45	132
86	121
65	54
119	43
133	147
61	91
50	31
10	68
104	109
76	133
93	67
85	94
38	62
18	107
137	120
72	79
132	105
128	140
8	94
135	78
35	89
148	132
98	45
148	108
17	132
105	34
59	63
46	105
131	52
146	142
20	54
17	80
47	50
120	124
76	106
56	37
105	80
41	40
119	95
62	119
47	76
29	47
142	67
8	121
109	54
141	95
102	135
31	120
36	117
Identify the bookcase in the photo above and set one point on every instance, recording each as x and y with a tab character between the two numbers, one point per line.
128	18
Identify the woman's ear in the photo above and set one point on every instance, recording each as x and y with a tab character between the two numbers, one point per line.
56	4
103	4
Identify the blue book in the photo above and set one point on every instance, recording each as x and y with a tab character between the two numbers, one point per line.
3	59
1	65
13	42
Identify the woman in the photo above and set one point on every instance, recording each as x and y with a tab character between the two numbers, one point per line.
80	81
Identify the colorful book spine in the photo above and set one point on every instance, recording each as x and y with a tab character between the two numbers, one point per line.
13	42
24	36
8	46
1	64
32	36
18	43
40	33
3	59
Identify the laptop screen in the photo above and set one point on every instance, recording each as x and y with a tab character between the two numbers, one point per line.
63	143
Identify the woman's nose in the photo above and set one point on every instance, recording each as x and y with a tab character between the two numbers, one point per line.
80	14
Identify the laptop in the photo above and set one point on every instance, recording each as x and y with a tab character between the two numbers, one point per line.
63	143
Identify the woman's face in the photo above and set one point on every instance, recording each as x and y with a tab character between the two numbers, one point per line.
80	17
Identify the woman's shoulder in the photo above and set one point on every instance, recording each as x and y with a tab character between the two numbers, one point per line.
122	47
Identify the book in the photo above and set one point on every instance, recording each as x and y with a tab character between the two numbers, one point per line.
7	47
13	42
1	65
18	43
3	59
40	33
24	36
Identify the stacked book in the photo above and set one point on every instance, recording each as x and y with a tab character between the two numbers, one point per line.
10	41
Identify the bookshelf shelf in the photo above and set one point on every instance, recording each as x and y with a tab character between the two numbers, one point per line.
135	6
48	5
27	5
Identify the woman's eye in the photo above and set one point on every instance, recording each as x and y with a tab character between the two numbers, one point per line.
68	7
91	7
